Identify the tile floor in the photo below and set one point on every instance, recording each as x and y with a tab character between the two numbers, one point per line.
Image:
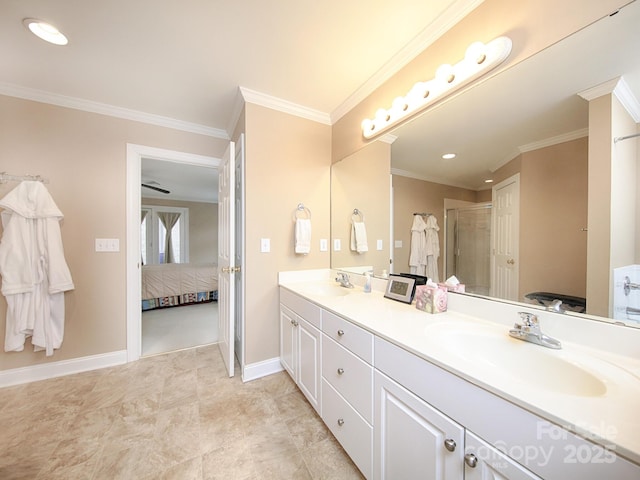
172	416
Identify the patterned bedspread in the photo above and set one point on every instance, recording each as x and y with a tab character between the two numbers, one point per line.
174	284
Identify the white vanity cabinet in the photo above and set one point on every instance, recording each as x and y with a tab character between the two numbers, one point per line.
300	340
347	388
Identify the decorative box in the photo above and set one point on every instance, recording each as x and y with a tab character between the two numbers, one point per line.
431	299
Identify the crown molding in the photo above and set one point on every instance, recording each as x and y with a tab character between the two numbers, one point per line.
599	90
432	32
424	178
109	110
624	94
274	103
547	142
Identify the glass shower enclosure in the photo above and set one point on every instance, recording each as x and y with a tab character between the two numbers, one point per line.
468	246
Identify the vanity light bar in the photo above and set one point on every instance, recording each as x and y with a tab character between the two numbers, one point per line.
478	60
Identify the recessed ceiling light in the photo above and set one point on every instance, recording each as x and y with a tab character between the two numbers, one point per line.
488	181
448	156
45	31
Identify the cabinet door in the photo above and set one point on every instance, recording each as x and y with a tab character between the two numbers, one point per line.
484	462
413	440
309	362
288	340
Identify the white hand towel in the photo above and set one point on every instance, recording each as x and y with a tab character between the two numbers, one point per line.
359	237
303	236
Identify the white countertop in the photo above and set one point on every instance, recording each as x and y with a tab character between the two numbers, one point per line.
608	416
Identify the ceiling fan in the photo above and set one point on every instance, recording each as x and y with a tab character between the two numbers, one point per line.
152	186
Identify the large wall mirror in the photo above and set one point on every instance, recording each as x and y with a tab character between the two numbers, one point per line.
525	130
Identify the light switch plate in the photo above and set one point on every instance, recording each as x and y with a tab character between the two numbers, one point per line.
336	245
107	245
397	244
379	244
265	245
324	245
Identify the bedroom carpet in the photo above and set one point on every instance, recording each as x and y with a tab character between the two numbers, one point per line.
175	416
168	329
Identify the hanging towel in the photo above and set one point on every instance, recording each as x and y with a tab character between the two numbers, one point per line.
303	236
417	254
432	248
34	272
359	237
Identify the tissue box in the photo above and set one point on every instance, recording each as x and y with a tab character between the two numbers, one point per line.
459	288
431	299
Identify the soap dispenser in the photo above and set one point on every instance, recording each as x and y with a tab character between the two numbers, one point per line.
367	282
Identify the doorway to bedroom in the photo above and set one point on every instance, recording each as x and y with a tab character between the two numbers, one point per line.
179	249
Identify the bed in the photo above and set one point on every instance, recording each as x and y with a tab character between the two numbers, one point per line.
174	284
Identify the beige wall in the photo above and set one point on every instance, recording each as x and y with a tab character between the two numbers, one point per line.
84	157
362	181
412	195
287	163
203	228
553	214
531	24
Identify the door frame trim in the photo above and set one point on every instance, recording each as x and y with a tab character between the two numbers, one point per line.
135	153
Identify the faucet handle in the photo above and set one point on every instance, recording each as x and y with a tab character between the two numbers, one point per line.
529	319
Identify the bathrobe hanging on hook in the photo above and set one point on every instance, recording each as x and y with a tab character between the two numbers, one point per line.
34	272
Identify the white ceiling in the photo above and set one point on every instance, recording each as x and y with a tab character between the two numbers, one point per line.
186	60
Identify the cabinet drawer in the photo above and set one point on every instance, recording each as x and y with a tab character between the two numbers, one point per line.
354	338
349	375
307	310
350	429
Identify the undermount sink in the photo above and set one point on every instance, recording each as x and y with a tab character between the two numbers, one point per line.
325	289
490	348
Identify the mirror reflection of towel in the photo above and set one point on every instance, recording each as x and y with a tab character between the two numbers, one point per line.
359	237
303	236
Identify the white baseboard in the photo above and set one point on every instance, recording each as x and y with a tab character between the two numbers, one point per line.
261	369
16	376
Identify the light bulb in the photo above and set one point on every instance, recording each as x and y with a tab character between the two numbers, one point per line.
445	73
476	53
382	115
399	105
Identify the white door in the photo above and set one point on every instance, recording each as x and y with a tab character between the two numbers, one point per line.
239	242
506	239
413	439
226	257
484	462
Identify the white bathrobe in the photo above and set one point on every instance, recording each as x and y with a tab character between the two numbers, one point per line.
432	248
34	272
418	254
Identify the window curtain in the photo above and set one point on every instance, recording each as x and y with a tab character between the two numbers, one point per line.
143	215
168	219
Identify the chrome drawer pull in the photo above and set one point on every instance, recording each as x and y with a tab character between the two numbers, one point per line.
340	421
450	444
340	371
340	333
471	460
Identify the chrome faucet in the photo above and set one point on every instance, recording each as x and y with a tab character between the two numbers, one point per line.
529	331
344	280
